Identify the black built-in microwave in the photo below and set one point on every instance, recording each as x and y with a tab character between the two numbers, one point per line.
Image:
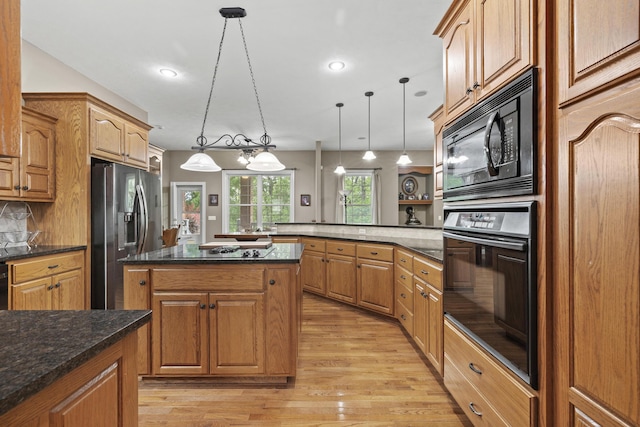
490	150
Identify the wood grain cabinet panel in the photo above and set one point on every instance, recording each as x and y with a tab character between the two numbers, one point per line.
375	285
601	46
313	274
137	296
114	138
341	277
10	78
136	146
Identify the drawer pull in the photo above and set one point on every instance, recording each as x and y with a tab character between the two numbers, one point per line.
403	260
54	266
340	249
474	410
403	295
312	245
403	277
374	253
142	282
474	369
423	294
424	272
403	317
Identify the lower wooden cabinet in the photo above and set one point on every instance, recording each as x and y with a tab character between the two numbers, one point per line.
219	320
53	282
313	266
103	392
341	271
375	278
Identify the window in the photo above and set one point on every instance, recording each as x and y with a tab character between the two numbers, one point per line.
257	201
359	207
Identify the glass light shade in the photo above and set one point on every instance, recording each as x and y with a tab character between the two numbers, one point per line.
265	162
340	170
200	162
369	155
404	159
242	159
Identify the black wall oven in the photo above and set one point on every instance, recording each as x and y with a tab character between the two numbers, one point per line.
489	151
490	280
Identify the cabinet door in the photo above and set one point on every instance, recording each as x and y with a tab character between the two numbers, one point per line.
341	278
106	135
68	290
180	338
137	297
420	315
10	80
37	169
503	42
313	273
9	177
375	285
79	409
136	146
434	349
459	63
236	324
281	338
33	295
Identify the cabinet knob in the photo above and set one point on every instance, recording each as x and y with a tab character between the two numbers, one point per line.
474	410
17	187
142	282
203	306
403	317
403	295
468	91
476	85
212	306
402	276
272	282
49	287
57	285
25	188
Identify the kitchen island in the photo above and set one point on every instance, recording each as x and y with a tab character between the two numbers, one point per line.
232	315
60	366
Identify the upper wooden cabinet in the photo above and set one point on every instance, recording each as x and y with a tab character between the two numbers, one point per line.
32	175
486	44
114	138
10	81
155	159
598	47
437	117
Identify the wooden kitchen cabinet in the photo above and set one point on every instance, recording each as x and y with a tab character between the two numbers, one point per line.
486	44
437	117
10	78
48	283
341	271
429	310
404	295
212	320
137	296
313	266
375	278
31	177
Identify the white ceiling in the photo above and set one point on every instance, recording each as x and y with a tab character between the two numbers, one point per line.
121	44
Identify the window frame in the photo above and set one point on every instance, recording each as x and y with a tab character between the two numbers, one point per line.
227	174
369	173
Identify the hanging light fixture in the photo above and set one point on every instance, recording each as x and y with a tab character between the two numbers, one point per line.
404	158
264	161
340	170
369	154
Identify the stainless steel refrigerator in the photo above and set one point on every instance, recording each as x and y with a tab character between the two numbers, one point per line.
125	220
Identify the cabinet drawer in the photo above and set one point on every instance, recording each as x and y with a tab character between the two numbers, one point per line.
429	272
404	276
316	245
377	252
404	259
46	266
341	248
510	399
469	398
405	316
206	279
405	295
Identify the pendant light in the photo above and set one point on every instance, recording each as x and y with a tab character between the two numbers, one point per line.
404	158
264	161
369	154
340	170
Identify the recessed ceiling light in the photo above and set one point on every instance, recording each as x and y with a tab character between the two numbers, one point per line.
168	72
336	65
420	93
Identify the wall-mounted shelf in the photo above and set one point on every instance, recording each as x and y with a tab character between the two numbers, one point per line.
415	202
415	181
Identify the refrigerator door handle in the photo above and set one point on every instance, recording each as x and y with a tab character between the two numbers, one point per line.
144	218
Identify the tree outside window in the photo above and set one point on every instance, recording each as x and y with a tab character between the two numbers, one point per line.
359	208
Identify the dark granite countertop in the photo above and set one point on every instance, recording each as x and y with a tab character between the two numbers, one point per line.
415	245
8	254
39	347
192	254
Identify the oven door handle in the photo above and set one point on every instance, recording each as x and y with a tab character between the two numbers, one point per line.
491	167
516	246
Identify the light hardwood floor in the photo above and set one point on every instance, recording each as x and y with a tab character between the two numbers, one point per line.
354	369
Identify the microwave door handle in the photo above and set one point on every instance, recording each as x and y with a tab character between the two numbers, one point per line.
516	246
144	218
493	170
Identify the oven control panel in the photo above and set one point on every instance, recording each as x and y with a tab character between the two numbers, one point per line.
491	222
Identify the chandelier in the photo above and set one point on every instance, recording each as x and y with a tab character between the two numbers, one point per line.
255	153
